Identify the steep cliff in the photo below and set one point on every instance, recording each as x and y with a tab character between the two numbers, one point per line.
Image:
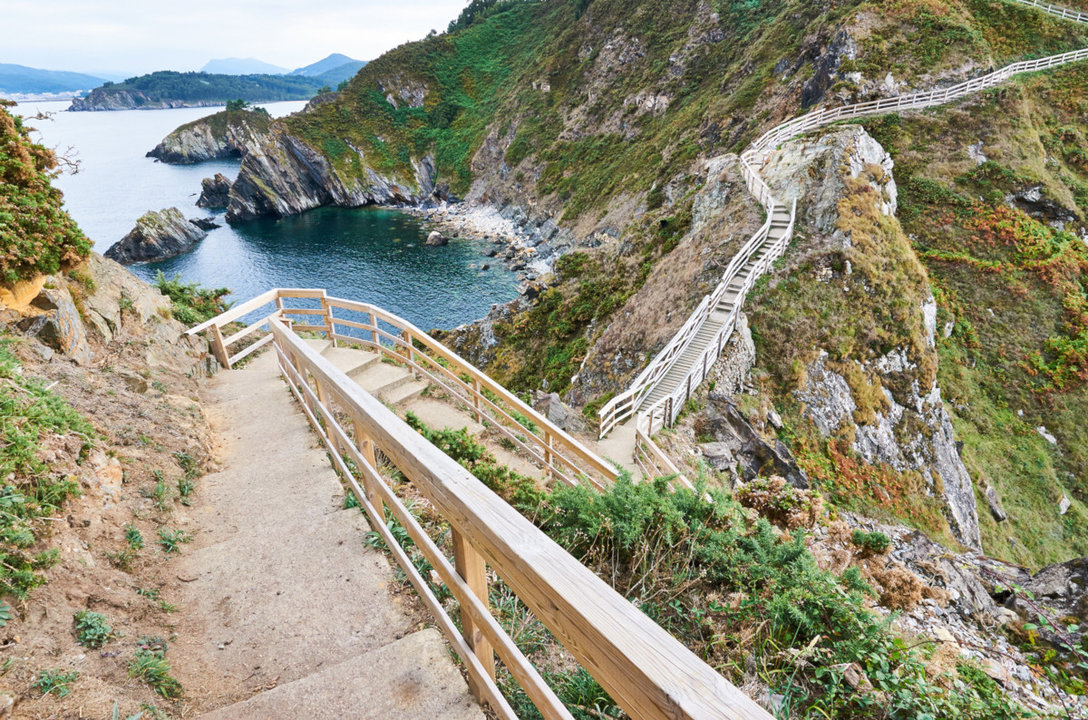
225	134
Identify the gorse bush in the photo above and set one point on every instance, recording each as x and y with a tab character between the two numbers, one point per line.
192	304
37	236
739	591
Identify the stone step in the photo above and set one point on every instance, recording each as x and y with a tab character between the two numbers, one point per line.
382	377
410	678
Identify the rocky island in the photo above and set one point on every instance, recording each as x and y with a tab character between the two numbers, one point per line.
158	235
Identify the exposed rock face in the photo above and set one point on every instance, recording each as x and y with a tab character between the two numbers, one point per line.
826	66
214	192
436	238
157	236
888	405
282	175
1063	587
59	325
223	135
739	449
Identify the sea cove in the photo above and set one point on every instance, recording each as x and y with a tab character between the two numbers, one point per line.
371	254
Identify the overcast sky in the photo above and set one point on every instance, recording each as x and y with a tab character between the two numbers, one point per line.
139	36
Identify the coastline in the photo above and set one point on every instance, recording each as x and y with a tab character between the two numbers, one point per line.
511	243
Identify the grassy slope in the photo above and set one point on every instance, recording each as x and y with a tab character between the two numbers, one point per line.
1016	291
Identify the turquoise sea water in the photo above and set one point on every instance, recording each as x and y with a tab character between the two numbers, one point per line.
368	254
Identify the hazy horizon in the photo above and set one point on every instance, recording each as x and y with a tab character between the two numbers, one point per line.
130	38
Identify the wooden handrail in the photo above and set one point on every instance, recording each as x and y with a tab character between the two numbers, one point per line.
647	671
548	444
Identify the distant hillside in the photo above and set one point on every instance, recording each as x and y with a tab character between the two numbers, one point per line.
22	79
167	89
336	61
242	66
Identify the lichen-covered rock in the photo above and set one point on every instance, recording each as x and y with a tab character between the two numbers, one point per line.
219	136
866	372
214	192
157	236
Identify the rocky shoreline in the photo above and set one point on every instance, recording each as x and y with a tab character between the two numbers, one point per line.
526	248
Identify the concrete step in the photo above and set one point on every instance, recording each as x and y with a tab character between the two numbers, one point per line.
382	377
350	361
403	392
410	678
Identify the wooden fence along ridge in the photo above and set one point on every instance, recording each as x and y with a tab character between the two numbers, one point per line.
658	394
647	671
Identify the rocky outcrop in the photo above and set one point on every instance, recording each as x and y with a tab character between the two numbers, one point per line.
282	175
880	396
225	134
739	450
55	321
157	236
214	192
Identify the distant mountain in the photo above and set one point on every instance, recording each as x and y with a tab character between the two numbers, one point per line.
332	70
27	80
243	66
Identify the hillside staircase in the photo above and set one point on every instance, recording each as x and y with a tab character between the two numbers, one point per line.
296	607
292	602
656	397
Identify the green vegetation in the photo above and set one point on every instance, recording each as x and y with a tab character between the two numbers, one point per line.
29	489
55	681
735	590
92	629
235	105
192	304
150	665
876	543
37	237
1012	292
164	86
171	539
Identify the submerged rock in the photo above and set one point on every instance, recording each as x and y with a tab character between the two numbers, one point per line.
157	236
214	192
436	238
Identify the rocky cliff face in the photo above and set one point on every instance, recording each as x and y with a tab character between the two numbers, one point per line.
283	175
867	375
214	192
223	135
158	235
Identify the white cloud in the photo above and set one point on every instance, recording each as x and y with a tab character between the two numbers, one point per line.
130	36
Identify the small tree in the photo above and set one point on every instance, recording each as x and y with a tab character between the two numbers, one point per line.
237	105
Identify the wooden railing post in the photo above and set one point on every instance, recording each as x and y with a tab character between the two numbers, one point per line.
476	400
326	311
218	349
473	569
374	324
366	448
